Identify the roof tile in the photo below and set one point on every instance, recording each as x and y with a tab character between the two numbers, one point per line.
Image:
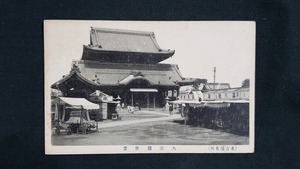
124	40
112	74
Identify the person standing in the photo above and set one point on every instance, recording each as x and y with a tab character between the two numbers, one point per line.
171	109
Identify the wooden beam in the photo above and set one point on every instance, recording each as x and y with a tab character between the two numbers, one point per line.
125	99
154	101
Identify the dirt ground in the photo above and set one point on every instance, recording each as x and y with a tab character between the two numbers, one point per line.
169	132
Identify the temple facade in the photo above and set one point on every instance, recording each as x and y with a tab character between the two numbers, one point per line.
126	64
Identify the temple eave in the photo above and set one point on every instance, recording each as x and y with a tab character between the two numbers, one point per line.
78	76
90	53
170	52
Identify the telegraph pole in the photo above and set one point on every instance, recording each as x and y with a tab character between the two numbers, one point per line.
214	70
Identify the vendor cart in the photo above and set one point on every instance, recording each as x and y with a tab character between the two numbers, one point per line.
78	120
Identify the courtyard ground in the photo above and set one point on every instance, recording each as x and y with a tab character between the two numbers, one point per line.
150	128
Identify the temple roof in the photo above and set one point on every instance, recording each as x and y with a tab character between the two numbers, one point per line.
98	74
124	46
113	74
132	77
124	40
74	73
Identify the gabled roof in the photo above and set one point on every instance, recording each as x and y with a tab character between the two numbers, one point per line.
98	74
124	40
79	76
131	78
124	46
115	74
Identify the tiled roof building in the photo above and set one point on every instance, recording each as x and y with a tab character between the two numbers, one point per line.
110	44
124	63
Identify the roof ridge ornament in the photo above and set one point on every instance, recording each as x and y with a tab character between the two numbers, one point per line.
138	74
74	66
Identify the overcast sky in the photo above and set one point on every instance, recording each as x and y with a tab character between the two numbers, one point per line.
199	46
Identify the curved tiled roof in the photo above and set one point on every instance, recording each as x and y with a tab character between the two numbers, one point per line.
74	73
114	74
124	46
98	74
131	78
124	40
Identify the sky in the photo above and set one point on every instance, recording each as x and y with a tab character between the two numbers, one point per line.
199	46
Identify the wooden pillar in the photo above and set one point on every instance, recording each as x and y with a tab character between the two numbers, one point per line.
81	112
59	113
64	113
56	112
131	98
58	116
88	114
125	99
154	100
148	100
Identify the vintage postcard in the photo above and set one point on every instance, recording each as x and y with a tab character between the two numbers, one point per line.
119	87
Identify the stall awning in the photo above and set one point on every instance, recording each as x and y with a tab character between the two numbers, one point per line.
210	104
224	103
76	102
183	101
143	90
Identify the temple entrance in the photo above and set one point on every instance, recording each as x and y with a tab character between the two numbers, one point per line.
144	98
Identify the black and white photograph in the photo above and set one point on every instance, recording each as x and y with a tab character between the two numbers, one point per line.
121	87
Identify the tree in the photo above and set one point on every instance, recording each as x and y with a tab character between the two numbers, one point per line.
246	83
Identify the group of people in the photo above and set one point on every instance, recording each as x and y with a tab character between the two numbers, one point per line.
168	107
171	107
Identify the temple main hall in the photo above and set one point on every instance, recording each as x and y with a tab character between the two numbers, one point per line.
124	64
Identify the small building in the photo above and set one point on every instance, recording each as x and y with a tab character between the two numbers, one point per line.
204	92
126	64
216	86
227	94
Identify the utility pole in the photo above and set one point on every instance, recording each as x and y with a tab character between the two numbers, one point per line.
214	70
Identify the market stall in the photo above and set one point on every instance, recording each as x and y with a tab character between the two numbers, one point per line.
75	113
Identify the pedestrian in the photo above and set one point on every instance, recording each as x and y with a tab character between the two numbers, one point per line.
171	109
139	105
130	109
166	107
